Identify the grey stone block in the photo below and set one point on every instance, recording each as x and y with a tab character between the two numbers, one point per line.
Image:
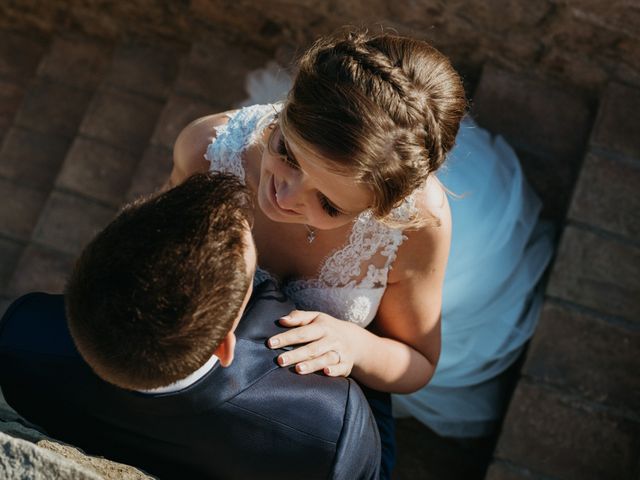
20	459
42	269
618	124
557	436
20	67
146	68
52	107
202	77
607	196
31	158
597	272
124	120
80	62
98	171
68	222
587	356
20	209
152	172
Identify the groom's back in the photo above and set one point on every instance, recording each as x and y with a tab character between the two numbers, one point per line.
250	420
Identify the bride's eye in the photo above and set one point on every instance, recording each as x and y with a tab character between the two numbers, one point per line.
327	206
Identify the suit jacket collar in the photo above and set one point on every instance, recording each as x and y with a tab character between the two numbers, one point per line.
41	327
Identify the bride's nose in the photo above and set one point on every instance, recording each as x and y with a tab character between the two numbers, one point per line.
291	194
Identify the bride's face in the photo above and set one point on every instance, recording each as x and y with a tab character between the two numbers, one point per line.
298	186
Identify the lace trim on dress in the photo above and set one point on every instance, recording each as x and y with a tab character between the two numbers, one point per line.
369	237
222	156
243	129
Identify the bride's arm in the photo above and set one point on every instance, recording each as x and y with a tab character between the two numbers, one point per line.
401	354
191	145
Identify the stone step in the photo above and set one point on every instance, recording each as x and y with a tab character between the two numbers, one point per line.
549	434
422	454
88	185
575	411
97	128
23	459
211	80
120	121
35	145
20	53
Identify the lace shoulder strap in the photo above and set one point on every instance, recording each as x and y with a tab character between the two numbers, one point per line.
242	130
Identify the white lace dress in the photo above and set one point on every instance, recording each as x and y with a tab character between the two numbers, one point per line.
497	255
341	289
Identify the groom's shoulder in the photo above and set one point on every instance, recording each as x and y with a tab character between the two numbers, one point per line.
310	404
279	392
35	323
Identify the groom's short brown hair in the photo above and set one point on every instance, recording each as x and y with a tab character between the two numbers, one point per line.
153	294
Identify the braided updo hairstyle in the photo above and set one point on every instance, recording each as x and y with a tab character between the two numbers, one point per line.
384	109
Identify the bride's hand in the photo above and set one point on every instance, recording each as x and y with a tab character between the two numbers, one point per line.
331	345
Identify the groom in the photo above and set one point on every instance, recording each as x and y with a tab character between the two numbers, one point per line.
162	363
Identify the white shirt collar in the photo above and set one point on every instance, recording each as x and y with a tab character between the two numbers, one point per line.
187	381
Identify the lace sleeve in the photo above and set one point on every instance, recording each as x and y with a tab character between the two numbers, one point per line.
243	129
221	155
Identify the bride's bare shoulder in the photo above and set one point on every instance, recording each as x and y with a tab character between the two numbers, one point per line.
192	143
432	203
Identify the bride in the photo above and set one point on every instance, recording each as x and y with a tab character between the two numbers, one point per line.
382	206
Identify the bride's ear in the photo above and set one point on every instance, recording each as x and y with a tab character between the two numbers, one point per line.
225	350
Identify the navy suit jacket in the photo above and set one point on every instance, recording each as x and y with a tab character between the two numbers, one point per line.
252	419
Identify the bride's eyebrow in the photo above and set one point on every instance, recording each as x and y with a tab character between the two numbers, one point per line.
288	148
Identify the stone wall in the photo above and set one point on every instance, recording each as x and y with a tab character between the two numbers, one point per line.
583	43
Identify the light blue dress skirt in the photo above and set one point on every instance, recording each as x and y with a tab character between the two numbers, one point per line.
499	251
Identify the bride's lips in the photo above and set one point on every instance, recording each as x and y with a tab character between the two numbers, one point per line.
274	200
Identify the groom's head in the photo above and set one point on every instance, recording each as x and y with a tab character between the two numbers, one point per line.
161	288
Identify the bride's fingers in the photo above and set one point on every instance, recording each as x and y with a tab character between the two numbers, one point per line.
297	318
295	336
306	352
326	360
339	370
